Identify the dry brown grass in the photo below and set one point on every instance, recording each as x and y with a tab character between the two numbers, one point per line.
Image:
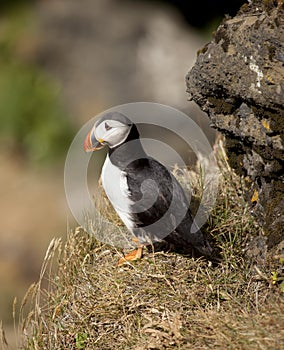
165	300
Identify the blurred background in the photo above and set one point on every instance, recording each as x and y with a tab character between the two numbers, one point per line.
61	63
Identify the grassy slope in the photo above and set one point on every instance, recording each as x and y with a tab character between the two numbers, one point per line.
164	301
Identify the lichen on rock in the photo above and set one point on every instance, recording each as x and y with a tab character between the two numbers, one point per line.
238	80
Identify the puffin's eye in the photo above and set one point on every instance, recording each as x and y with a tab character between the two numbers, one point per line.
107	127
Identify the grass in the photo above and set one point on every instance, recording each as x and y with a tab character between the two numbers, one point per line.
164	301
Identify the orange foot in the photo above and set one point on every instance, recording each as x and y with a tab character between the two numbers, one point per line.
134	255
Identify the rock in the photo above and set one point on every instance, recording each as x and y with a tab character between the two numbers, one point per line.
238	80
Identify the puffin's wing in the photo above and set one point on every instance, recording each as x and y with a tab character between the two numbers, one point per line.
159	201
161	209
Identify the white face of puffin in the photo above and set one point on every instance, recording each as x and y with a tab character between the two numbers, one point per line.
111	132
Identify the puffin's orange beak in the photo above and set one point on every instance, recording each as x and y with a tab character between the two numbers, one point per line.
91	143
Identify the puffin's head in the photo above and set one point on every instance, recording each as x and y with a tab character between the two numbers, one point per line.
111	129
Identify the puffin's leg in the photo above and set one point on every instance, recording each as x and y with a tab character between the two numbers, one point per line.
133	255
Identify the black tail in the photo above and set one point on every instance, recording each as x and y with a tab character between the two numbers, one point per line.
189	234
203	247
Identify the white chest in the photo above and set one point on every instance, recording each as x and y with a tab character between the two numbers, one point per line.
114	182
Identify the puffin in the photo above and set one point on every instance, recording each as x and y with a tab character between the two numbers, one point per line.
147	197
